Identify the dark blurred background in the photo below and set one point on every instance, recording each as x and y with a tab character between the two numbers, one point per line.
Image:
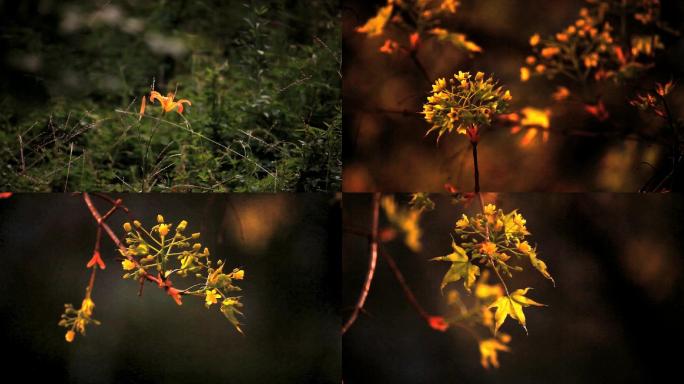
288	246
388	151
613	317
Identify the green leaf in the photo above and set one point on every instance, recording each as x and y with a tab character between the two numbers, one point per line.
461	268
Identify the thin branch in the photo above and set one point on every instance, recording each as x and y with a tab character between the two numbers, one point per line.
404	285
371	264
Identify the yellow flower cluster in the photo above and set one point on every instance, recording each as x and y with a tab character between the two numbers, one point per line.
464	102
160	252
76	320
498	236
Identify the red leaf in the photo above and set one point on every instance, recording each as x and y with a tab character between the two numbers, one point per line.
96	259
438	323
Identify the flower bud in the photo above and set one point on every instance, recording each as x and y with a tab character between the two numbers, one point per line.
196	235
137	223
160	219
127	227
181	226
70	336
163	229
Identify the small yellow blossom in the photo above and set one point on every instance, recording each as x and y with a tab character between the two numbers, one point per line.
128	265
211	297
490	209
237	275
462	222
439	85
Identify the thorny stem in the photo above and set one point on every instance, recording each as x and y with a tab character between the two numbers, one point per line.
372	262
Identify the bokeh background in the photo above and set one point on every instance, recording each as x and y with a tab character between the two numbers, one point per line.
384	147
613	317
288	246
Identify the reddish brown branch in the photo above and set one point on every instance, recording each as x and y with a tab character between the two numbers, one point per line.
404	285
119	244
372	262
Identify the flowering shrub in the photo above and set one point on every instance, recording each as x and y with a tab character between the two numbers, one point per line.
489	242
158	255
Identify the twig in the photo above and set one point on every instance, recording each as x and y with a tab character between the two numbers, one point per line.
404	285
21	154
71	151
371	264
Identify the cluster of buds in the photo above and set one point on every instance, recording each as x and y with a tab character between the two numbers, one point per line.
654	101
421	19
587	49
76	320
495	237
159	252
464	103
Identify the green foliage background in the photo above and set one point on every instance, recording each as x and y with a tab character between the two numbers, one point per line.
263	78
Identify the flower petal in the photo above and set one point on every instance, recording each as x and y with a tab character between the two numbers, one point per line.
142	109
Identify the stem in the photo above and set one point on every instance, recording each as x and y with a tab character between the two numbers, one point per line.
402	281
372	262
147	150
414	58
477	171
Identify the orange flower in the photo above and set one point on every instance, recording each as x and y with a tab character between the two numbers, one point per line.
167	102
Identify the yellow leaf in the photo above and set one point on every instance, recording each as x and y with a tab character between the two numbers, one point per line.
512	306
541	267
406	221
461	268
376	25
489	352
